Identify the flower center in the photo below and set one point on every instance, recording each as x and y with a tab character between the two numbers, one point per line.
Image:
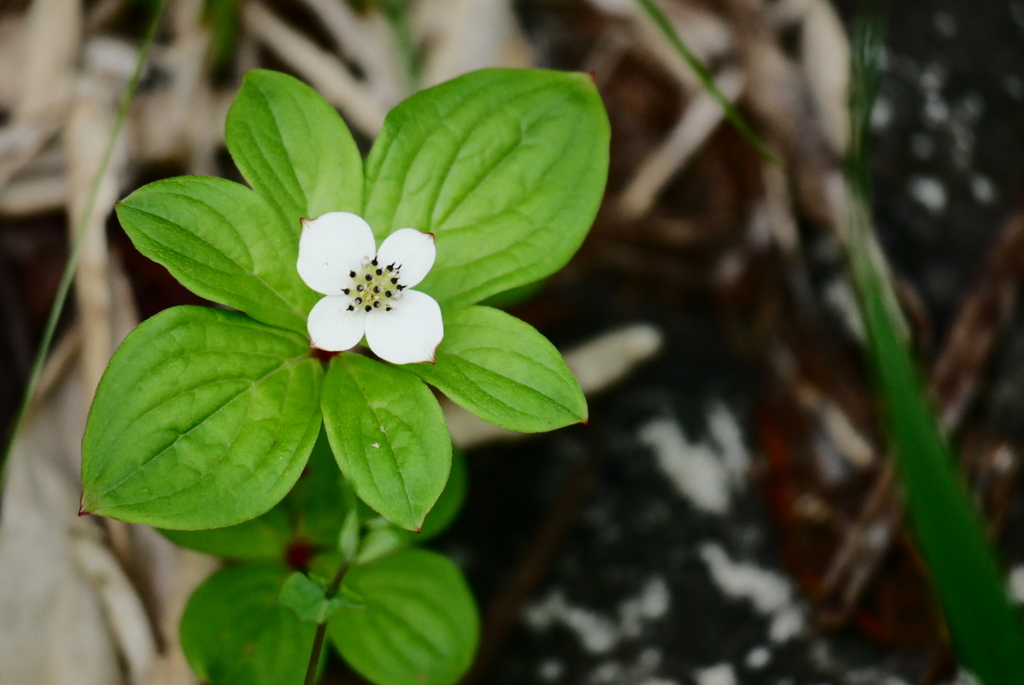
374	286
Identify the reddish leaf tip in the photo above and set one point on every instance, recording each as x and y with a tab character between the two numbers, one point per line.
322	355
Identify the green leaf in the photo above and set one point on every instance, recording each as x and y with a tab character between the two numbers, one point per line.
204	418
382	542
235	632
311	514
293	148
505	166
387	539
504	371
265	537
223	242
419	625
388	435
308	599
317	503
348	538
508	299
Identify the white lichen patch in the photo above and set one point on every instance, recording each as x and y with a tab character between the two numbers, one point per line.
786	624
964	677
947	121
727	436
945	24
770	593
881	114
839	297
936	111
1016	584
706	473
983	189
606	673
697	473
872	676
720	674
929	192
597	633
652	603
758	658
550	671
642	672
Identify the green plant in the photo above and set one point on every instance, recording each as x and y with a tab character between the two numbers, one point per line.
205	419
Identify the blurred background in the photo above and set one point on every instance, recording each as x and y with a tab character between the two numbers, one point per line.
729	514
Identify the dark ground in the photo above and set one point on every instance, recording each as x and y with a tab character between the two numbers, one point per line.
949	116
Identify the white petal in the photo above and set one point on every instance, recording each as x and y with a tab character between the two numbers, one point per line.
413	250
409	333
333	327
332	245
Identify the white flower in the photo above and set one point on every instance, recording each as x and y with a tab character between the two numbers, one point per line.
368	290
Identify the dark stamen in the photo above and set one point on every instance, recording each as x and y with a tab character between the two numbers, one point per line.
388	293
351	274
387	309
359	300
359	288
368	307
401	287
376	288
369	277
394	280
374	262
345	290
351	308
380	271
376	304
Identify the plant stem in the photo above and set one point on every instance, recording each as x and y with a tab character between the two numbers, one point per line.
321	628
708	81
397	12
79	240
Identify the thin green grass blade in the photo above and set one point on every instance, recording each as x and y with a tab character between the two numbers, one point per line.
223	16
76	245
708	81
397	12
987	632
